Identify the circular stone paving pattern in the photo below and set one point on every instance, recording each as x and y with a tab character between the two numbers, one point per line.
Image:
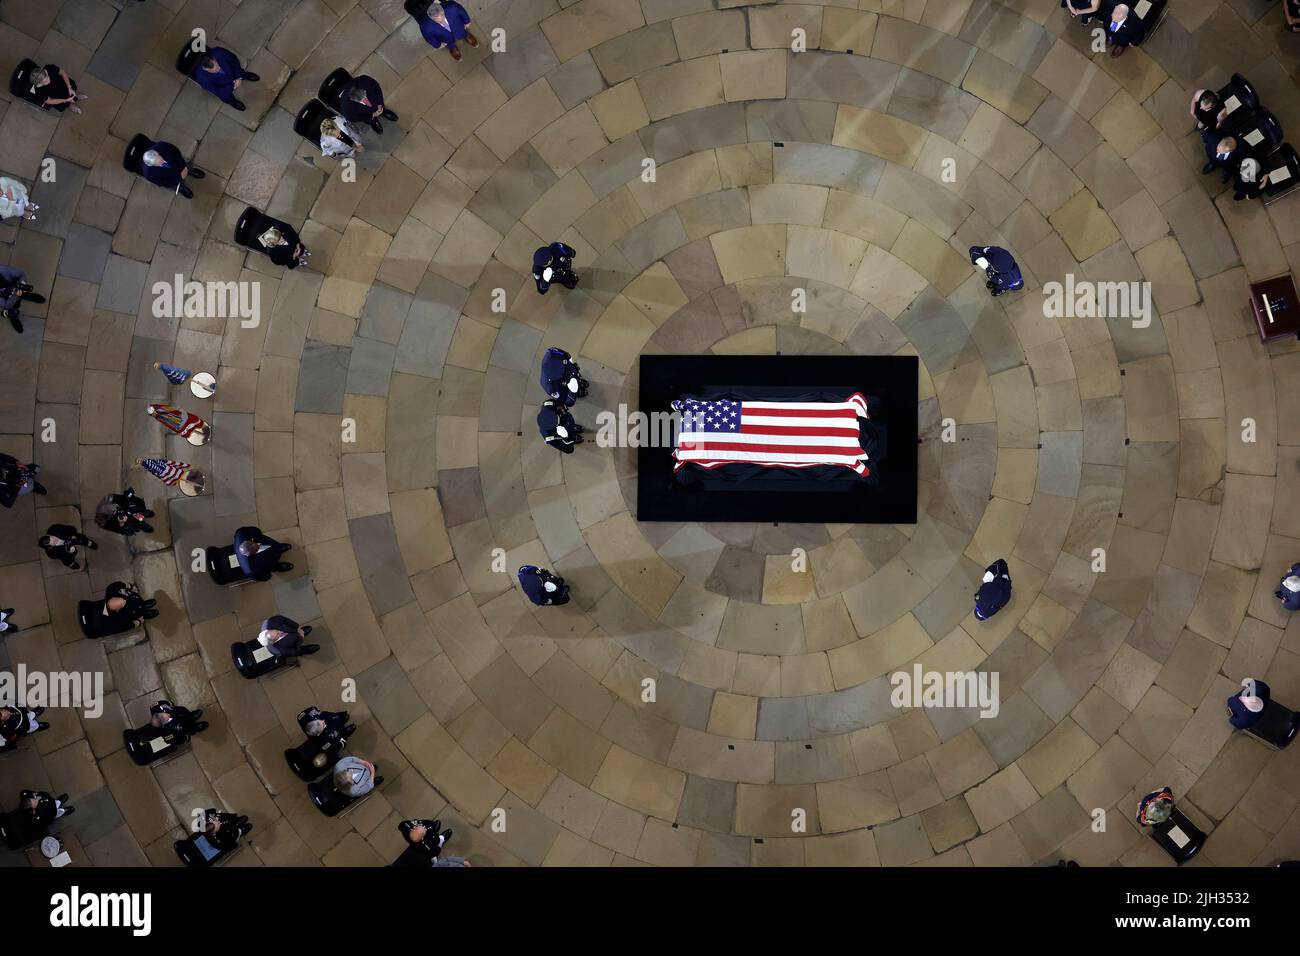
379	416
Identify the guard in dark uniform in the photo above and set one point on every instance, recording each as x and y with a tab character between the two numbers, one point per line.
424	841
561	378
174	719
17	722
133	608
43	808
558	427
994	592
224	830
1288	591
325	724
554	263
1000	268
542	587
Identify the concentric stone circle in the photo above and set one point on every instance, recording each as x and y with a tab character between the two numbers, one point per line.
774	170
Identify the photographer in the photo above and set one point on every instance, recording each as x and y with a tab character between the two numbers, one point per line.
13	289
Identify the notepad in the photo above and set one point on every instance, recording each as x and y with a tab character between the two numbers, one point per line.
1180	838
1254	137
61	860
1142	8
1279	175
262	654
1230	104
158	743
234	561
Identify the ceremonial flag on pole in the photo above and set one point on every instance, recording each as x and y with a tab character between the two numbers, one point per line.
771	434
164	469
177	376
178	420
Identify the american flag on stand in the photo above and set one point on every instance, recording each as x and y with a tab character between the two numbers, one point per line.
771	434
164	469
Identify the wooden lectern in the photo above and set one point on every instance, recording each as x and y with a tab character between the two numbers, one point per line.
1276	307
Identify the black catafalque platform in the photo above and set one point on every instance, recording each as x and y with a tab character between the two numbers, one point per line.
884	494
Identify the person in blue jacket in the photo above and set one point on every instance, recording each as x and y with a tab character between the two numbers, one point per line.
220	73
561	378
163	165
554	263
259	555
444	23
1289	590
542	587
558	427
1246	707
1000	268
994	591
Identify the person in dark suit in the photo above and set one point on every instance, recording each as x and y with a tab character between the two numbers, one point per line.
994	590
424	842
1291	13
1246	707
123	602
224	830
558	427
1207	109
561	377
14	290
163	165
60	543
259	555
1288	591
283	637
542	587
362	101
220	73
17	722
443	24
1000	269
554	263
53	89
174	719
1124	30
17	479
123	513
1221	152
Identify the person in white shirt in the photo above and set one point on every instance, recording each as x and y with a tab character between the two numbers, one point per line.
14	200
339	139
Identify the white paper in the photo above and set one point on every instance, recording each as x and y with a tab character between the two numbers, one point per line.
234	561
1279	175
158	743
1142	8
1231	104
1254	137
61	860
261	654
1179	837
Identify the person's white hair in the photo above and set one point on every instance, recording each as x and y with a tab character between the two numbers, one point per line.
151	157
436	10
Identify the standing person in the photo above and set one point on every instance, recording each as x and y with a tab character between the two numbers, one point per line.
558	427
7	625
542	587
283	637
1124	30
362	101
60	543
994	590
1000	268
18	479
1289	590
44	809
220	73
554	263
339	139
123	513
54	89
354	777
444	23
14	200
561	377
14	288
163	165
424	842
259	555
1246	707
17	722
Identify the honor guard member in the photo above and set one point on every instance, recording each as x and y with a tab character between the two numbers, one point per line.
995	590
1289	591
325	723
220	73
561	377
554	263
224	830
174	719
424	841
16	723
558	427
43	808
999	267
542	587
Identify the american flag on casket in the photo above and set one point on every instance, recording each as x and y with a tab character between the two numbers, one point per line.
771	434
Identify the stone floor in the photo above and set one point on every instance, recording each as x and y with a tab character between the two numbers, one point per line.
776	170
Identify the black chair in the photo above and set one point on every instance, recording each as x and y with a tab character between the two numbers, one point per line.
416	8
188	60
1276	726
1151	13
17	830
196	850
1178	836
1258	133
1239	94
1283	169
328	800
331	91
20	84
96	624
149	744
313	758
252	660
223	566
133	160
307	123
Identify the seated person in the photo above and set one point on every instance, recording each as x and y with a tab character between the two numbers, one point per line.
1124	30
558	427
124	604
17	722
561	378
1291	14
1221	152
424	842
554	263
362	101
1000	269
1246	707
339	139
174	719
325	724
542	587
259	555
163	165
221	833
53	89
123	514
283	246
1289	592
220	73
354	777
43	808
1081	10
283	637
1207	109
60	543
994	591
1247	181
